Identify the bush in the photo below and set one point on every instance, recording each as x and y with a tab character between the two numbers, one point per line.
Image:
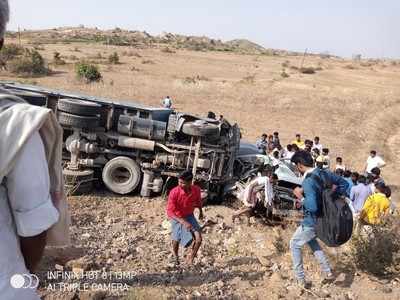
114	58
378	252
284	74
167	50
11	51
308	70
88	72
30	64
57	60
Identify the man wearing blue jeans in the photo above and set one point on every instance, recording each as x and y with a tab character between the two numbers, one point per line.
311	193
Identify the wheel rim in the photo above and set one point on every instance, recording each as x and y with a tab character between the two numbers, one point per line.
121	175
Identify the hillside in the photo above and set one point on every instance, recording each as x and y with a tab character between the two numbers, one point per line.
353	106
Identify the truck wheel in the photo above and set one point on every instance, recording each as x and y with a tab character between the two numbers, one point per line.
121	175
30	97
78	182
77	121
79	107
200	128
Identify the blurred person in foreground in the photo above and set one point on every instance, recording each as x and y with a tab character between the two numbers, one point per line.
33	208
182	202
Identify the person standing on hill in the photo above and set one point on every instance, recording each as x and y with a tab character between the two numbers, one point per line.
167	102
374	161
262	143
299	142
182	202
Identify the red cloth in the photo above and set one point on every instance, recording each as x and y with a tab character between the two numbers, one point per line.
182	204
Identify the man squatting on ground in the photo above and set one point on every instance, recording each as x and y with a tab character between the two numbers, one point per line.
182	202
31	188
311	193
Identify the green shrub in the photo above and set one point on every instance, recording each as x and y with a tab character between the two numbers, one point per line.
114	58
377	251
10	51
57	60
88	72
31	63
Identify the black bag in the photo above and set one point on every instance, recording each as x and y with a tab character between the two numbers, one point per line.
334	218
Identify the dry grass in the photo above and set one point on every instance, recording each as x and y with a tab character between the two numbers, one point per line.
352	112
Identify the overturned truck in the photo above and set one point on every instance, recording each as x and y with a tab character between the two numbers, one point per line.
129	146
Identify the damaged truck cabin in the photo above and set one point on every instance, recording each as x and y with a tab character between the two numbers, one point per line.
131	147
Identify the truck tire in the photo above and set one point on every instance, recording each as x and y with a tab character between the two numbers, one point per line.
121	175
78	182
30	97
78	121
79	107
200	128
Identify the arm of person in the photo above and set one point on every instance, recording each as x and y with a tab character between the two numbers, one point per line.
338	181
28	186
352	194
381	163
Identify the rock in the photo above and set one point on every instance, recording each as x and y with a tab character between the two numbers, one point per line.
59	267
197	294
86	235
220	284
93	295
324	293
275	267
341	278
80	263
110	261
386	289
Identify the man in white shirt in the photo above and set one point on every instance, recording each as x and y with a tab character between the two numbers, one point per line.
26	206
317	144
167	102
374	161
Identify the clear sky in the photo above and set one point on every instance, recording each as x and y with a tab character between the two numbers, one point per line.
342	27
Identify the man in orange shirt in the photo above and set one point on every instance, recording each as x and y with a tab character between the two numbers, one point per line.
182	202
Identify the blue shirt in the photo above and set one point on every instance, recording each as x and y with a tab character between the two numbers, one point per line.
313	193
350	182
358	194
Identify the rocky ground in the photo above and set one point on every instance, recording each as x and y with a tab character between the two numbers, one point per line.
236	261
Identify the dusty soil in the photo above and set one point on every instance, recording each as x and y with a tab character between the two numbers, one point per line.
353	107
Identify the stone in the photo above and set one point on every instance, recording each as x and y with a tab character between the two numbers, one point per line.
86	235
59	267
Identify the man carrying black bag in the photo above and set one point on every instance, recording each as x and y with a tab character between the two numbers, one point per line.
311	195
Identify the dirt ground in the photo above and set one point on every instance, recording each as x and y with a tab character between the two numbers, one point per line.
353	107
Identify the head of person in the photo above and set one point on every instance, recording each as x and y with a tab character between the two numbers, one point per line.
316	152
289	148
264	136
185	180
4	18
316	140
211	115
298	137
295	148
275	154
387	191
339	160
362	179
309	143
380	187
276	134
303	161
372	153
221	117
339	172
347	174
270	138
376	172
325	151
355	176
273	179
266	170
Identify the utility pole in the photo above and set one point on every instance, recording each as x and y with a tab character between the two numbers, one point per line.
19	36
304	57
